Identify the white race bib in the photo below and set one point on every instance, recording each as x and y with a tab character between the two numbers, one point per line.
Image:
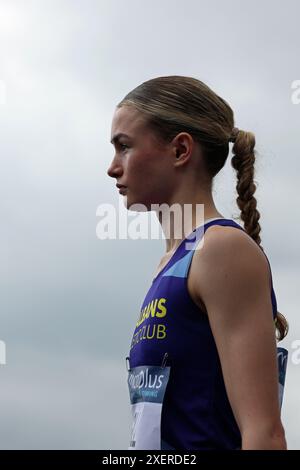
147	386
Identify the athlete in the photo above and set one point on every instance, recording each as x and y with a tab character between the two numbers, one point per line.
203	362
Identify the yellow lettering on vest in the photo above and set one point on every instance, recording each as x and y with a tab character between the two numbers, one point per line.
162	308
153	307
161	330
147	312
142	316
153	331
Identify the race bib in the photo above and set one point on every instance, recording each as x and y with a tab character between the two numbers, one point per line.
147	386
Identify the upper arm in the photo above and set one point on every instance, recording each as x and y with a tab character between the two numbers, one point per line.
233	281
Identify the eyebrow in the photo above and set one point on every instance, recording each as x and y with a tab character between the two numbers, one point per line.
117	136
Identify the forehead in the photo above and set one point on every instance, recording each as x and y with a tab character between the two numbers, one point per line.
127	120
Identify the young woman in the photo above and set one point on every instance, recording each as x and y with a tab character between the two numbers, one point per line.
211	312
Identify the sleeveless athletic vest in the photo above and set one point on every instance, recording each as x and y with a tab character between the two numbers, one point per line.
195	412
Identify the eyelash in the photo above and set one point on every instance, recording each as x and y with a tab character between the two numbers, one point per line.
124	145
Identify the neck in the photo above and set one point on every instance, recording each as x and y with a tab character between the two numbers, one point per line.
186	214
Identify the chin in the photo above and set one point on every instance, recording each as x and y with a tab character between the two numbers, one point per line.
136	206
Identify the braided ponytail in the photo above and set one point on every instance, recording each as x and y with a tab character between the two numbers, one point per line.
243	162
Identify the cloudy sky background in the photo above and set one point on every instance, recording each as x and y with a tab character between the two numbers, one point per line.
69	301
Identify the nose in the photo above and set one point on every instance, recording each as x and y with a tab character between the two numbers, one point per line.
114	170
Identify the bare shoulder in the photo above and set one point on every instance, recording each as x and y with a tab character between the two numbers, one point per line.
227	257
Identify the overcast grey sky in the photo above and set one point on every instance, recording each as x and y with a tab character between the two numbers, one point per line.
69	301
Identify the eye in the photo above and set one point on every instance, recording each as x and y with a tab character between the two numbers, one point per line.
123	145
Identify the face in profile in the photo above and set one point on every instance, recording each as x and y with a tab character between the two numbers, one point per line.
140	162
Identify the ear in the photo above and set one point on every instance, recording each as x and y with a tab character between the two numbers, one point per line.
183	146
